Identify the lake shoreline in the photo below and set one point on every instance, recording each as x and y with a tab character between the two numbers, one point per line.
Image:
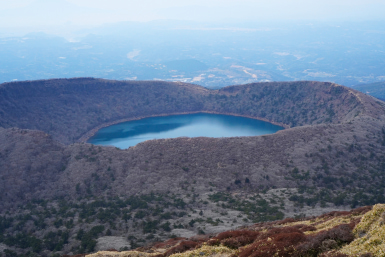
92	132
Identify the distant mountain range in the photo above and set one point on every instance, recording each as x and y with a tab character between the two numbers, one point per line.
228	54
373	89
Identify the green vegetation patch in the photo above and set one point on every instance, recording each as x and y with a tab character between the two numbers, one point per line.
257	210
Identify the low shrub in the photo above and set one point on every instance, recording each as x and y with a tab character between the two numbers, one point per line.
333	254
180	248
326	240
278	242
234	239
305	228
236	233
361	210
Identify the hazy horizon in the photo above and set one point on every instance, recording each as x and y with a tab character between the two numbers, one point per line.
210	43
86	13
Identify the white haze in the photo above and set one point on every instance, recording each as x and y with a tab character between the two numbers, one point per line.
67	13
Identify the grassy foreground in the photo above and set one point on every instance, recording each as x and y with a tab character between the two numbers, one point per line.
360	232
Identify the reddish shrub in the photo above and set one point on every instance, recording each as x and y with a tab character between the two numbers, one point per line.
333	254
232	243
236	233
341	233
361	210
169	243
320	242
234	239
304	228
275	231
236	242
180	248
264	248
290	238
111	250
260	248
366	255
276	242
213	242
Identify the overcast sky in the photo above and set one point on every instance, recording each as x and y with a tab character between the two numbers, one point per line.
96	12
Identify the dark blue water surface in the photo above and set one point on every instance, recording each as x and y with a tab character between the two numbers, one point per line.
126	134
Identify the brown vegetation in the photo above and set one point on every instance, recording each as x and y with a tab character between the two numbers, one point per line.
234	239
69	108
332	156
181	247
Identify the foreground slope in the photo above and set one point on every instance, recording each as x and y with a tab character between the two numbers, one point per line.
340	234
331	156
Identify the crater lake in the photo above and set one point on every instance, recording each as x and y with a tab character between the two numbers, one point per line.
126	134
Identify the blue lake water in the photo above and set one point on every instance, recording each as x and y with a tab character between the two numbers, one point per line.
126	134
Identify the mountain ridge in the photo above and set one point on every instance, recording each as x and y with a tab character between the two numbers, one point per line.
112	101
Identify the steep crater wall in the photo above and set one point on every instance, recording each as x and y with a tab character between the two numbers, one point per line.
69	109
